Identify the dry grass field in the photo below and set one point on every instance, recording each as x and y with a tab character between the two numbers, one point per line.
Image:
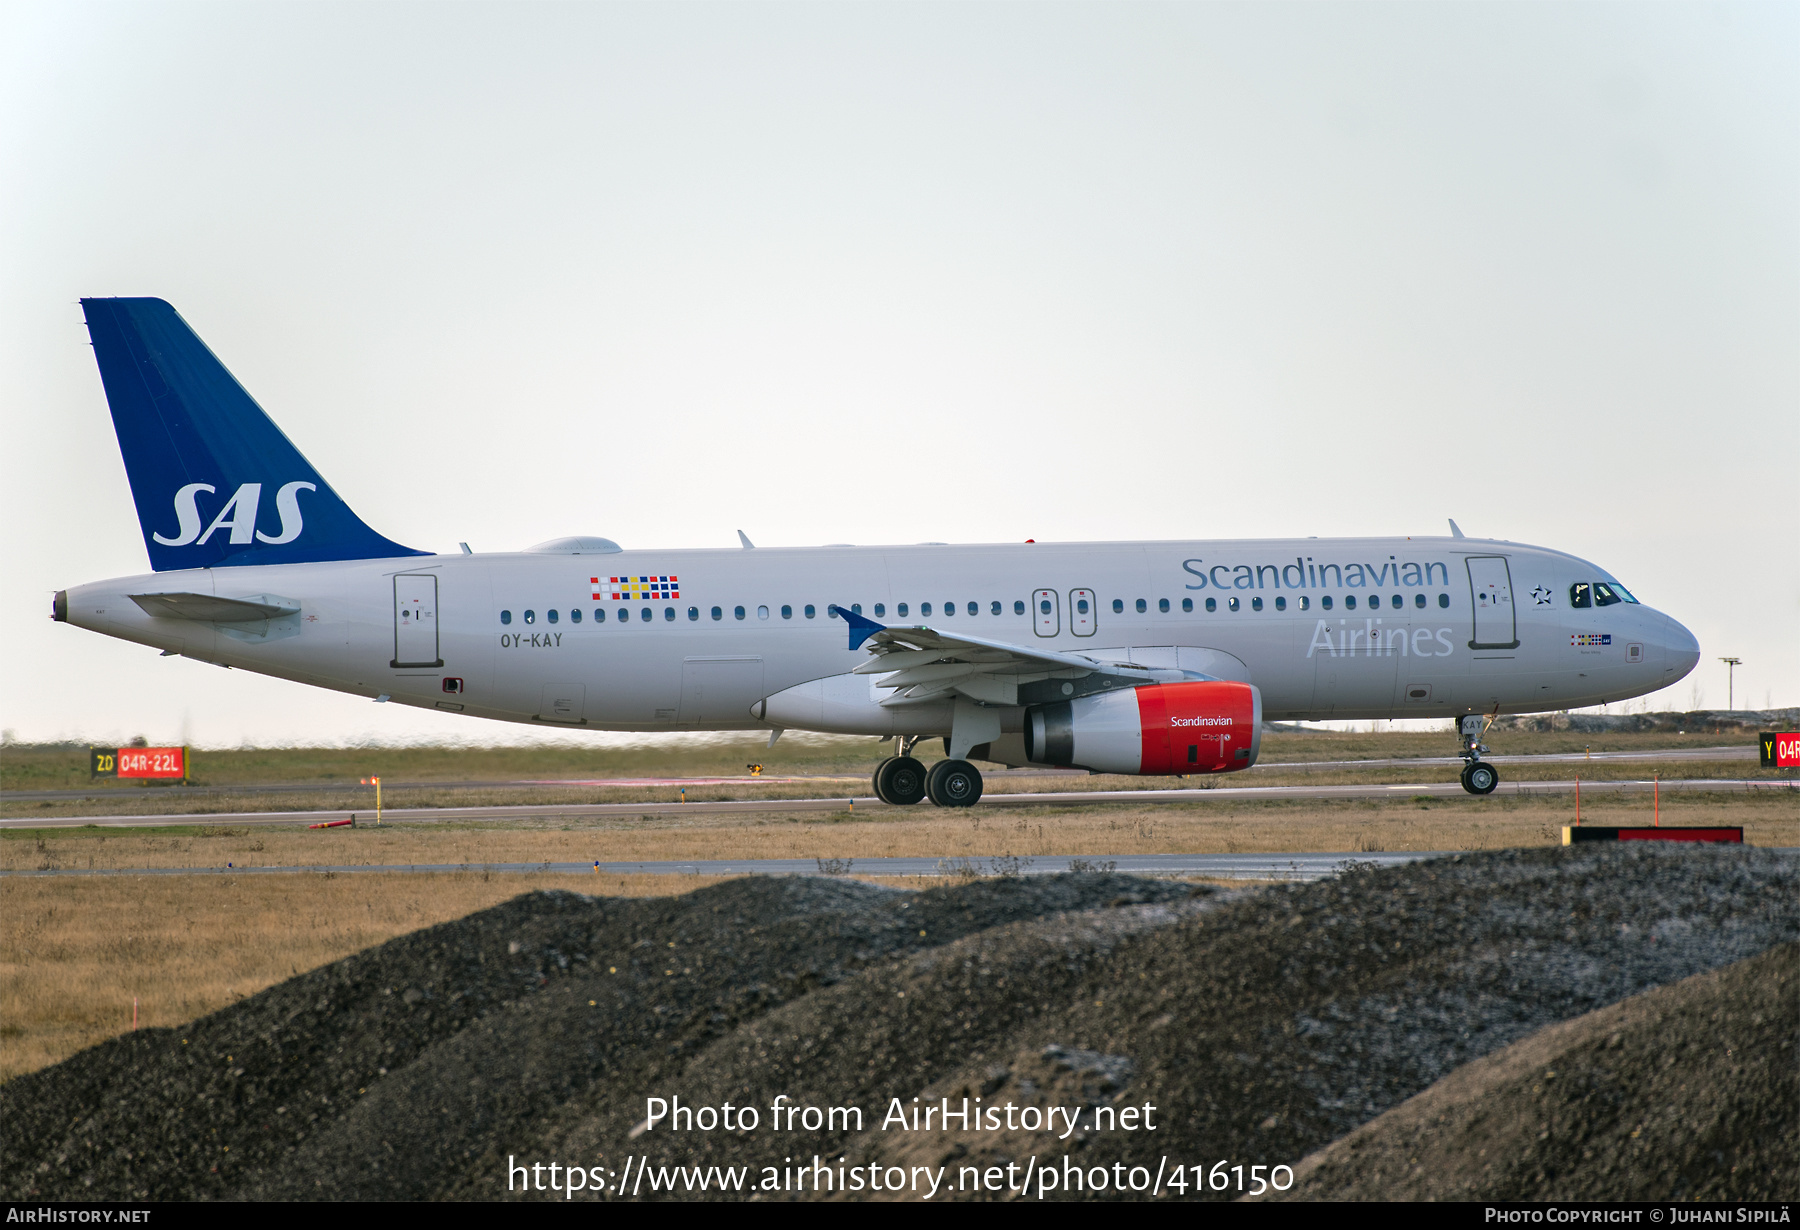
1406	823
326	779
73	952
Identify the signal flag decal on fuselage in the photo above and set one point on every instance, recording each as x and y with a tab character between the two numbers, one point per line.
647	589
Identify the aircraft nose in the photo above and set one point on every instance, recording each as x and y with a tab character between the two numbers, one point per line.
1683	649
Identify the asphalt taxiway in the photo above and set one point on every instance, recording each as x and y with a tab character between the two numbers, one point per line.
1197	794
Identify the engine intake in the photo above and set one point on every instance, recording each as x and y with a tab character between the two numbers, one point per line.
1159	729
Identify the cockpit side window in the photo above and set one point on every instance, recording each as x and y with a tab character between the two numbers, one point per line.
1603	594
1581	594
1623	593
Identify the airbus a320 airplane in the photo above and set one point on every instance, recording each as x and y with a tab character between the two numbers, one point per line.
1151	658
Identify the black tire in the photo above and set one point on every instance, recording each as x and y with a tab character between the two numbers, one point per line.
900	780
1480	778
875	780
953	783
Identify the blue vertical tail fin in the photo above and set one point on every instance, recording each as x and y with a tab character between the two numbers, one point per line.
215	481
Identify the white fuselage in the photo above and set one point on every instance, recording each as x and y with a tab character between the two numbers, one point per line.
518	637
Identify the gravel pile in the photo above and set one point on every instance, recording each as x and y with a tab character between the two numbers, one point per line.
1687	1092
1262	1024
394	1072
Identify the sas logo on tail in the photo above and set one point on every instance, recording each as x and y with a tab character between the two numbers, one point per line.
238	516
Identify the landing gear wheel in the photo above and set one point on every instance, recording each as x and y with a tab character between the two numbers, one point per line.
901	780
1480	778
953	783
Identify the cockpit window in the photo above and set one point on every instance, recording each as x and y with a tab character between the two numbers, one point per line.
1581	594
1623	592
1603	594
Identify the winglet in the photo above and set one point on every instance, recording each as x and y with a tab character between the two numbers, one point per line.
861	627
745	539
1454	532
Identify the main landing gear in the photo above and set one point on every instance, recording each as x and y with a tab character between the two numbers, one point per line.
1478	776
903	780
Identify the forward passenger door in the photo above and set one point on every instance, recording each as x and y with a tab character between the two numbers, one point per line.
1490	586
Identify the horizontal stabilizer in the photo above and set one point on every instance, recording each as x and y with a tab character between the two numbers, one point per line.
211	609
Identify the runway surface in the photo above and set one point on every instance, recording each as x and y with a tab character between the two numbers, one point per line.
1067	798
1223	866
1747	752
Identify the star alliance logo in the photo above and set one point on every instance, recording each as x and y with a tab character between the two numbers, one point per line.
1541	596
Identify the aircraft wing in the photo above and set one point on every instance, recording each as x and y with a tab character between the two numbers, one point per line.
920	663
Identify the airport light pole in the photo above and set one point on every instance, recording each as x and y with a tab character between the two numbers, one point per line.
1731	665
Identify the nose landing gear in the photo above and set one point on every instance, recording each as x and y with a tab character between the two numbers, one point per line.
1478	777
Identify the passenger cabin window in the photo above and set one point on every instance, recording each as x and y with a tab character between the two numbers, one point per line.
1212	604
857	607
949	608
1256	604
1187	606
505	618
669	614
1231	604
1581	595
1081	604
737	612
880	610
1604	596
645	615
787	612
574	617
1118	606
693	614
1044	606
762	612
599	614
1162	604
718	613
974	608
551	615
902	609
1398	602
1443	600
1350	602
810	611
1142	606
994	609
1325	602
1305	603
530	617
925	609
1419	601
1018	607
1281	604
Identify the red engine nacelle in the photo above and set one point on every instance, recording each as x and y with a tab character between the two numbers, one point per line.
1160	729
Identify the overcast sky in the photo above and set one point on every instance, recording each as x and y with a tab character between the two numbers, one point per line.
902	272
